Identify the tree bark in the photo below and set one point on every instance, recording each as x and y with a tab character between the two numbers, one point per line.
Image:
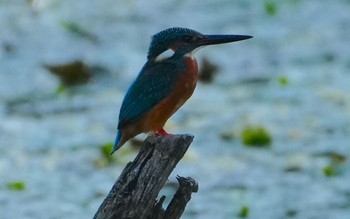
135	192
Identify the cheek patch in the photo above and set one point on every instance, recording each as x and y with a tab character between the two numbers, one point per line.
165	55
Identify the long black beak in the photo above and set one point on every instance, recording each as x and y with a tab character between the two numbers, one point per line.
219	39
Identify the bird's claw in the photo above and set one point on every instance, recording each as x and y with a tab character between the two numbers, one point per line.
162	132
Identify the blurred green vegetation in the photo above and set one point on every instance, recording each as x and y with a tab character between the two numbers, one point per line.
60	89
78	30
105	151
16	185
330	170
270	8
244	211
122	156
256	136
335	166
105	158
336	163
283	80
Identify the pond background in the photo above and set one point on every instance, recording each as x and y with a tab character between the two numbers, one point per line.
292	79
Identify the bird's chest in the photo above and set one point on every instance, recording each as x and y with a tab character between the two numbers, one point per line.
189	77
186	83
182	89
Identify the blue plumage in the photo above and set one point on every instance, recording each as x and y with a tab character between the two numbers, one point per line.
116	142
152	85
165	82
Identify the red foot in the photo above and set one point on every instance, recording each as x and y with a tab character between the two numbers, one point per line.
162	132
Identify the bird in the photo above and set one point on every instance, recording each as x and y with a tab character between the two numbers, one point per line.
166	81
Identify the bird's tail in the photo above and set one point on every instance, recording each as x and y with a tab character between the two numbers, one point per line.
117	142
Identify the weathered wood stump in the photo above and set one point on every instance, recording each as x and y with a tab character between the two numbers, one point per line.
134	195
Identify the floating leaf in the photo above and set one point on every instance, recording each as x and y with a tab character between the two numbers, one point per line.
208	71
72	73
338	158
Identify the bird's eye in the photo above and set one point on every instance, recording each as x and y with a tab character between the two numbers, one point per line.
191	38
188	38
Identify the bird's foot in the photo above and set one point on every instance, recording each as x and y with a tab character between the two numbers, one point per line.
162	132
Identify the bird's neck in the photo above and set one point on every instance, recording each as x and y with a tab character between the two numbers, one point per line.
191	63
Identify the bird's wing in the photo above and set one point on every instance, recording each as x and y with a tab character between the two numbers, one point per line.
152	85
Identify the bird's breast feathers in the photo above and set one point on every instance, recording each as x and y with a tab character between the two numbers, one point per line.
190	76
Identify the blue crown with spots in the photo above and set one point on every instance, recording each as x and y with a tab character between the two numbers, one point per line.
162	40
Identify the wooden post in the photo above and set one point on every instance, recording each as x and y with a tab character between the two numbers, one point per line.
135	192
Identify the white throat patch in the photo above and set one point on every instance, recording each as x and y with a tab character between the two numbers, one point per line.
164	55
191	54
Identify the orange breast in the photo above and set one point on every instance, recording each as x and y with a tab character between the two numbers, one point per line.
184	87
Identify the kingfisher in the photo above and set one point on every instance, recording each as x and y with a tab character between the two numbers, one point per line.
166	81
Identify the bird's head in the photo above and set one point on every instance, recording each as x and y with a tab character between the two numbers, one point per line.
184	41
